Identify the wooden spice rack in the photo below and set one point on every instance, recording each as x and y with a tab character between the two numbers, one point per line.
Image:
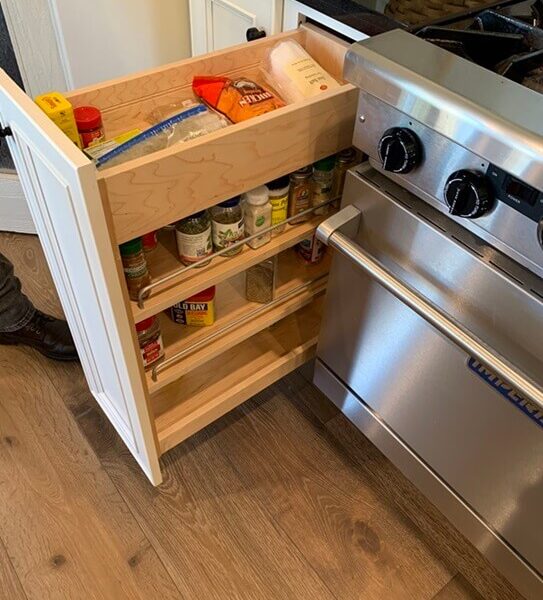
83	214
297	284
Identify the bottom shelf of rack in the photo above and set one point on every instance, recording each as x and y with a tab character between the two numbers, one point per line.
210	391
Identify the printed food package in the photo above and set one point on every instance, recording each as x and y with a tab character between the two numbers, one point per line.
295	73
61	112
238	99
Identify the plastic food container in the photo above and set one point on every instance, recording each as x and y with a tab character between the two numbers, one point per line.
258	215
150	341
134	267
279	200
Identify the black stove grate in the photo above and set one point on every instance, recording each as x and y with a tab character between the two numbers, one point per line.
509	44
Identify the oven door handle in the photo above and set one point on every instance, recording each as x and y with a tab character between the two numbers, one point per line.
348	220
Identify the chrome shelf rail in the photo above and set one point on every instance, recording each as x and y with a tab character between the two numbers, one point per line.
232	325
145	291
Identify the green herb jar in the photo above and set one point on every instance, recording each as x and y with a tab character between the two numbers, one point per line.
228	225
193	235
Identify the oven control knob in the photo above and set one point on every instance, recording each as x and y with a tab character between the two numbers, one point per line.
400	150
468	194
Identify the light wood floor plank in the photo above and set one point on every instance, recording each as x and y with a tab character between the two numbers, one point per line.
10	586
458	589
349	534
384	477
67	530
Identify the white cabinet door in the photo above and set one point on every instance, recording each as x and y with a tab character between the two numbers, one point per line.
216	24
60	186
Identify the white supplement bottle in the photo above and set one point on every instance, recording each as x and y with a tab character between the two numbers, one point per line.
258	215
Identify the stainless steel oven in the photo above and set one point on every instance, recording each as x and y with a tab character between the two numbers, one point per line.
431	345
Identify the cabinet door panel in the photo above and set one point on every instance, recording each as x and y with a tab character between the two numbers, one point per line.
217	24
61	189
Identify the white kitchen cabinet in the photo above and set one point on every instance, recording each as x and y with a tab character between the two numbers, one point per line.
218	24
82	215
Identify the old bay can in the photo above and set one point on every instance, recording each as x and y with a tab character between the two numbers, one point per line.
198	310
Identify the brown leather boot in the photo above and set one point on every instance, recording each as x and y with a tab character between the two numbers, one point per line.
48	335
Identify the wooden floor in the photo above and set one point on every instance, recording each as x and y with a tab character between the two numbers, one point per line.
280	499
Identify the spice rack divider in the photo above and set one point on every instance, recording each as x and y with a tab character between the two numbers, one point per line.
297	282
216	387
164	260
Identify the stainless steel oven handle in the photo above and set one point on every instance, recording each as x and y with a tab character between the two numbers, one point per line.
349	217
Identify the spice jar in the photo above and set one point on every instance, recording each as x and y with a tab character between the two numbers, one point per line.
260	281
197	311
228	225
311	250
149	241
278	189
89	125
193	235
258	215
134	267
344	161
323	176
150	341
300	194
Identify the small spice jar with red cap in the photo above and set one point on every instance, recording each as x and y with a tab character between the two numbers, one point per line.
89	124
150	341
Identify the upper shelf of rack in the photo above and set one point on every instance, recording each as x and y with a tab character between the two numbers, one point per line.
147	193
164	261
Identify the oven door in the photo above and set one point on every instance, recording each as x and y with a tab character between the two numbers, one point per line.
396	372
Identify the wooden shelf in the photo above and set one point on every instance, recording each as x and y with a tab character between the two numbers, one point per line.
231	305
164	260
207	393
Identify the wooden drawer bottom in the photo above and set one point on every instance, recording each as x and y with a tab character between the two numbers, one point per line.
210	391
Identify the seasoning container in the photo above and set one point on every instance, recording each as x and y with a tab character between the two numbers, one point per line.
311	250
193	236
149	241
150	341
279	201
134	267
344	161
198	310
89	124
228	225
61	112
323	176
300	194
260	281
258	215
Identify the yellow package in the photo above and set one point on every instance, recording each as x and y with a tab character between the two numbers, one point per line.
61	112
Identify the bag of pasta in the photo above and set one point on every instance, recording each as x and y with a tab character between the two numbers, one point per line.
237	99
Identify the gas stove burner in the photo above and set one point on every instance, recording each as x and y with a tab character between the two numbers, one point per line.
509	44
482	47
520	67
493	22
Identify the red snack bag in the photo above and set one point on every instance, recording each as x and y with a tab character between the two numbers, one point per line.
237	99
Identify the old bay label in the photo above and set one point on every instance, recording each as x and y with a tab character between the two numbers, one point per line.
197	314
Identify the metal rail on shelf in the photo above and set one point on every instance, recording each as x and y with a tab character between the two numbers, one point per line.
232	325
145	291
